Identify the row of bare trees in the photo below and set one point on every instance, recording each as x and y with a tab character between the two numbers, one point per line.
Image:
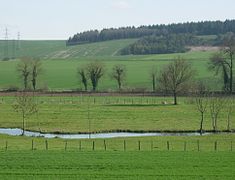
173	78
215	105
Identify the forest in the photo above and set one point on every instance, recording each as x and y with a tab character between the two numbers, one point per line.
196	28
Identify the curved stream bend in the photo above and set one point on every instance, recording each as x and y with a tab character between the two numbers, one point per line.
18	132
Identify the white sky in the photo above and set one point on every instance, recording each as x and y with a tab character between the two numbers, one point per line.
59	19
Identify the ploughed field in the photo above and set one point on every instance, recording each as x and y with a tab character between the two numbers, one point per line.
78	114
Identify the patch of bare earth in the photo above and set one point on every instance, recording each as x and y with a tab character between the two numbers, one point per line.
204	48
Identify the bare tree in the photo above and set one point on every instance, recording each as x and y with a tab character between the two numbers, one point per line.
119	74
83	76
216	104
23	68
153	76
175	77
95	71
201	101
25	105
36	70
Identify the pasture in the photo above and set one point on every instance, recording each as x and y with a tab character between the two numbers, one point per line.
110	113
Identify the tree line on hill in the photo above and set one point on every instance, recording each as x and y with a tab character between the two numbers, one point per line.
196	28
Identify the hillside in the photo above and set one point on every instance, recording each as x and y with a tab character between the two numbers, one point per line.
58	50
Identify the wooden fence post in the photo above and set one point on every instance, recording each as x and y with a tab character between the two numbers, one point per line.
124	145
198	145
104	145
185	146
168	145
6	147
215	146
139	145
93	145
46	145
80	145
151	145
32	145
65	146
231	146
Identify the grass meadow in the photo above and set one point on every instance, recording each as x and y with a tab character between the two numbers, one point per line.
70	114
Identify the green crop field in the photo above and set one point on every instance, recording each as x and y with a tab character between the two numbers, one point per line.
57	49
61	74
70	114
116	165
149	162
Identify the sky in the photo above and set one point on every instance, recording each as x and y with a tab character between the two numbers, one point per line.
60	19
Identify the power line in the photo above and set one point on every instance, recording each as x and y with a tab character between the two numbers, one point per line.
6	47
18	41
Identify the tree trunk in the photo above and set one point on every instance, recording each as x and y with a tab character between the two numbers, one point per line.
215	129
231	73
228	123
119	85
154	85
34	84
23	124
201	124
175	98
25	83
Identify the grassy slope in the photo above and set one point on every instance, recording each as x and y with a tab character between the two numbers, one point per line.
58	49
109	113
61	74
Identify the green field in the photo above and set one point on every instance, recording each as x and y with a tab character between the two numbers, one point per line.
205	143
61	74
116	165
57	49
70	114
148	162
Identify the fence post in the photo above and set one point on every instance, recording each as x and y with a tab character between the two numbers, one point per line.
198	145
46	145
32	144
93	145
80	145
104	145
6	147
231	146
168	145
185	145
215	145
65	146
151	145
139	145
124	145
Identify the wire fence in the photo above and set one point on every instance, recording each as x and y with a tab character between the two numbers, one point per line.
118	145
